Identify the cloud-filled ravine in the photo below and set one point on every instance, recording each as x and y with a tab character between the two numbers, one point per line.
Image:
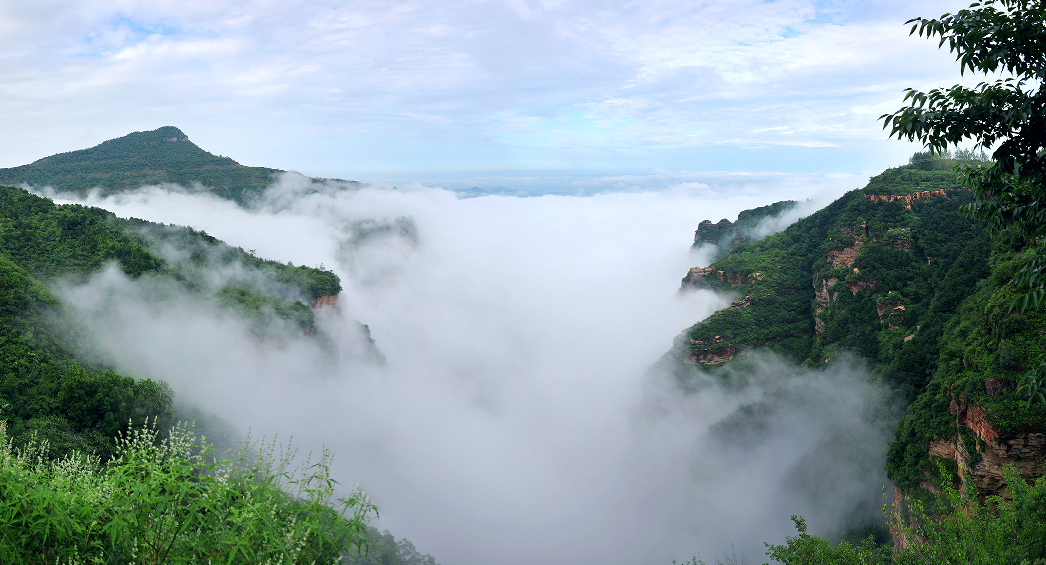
516	419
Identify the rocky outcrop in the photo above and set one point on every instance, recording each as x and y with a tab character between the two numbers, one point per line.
859	231
711	352
844	258
986	461
972	416
705	227
897	518
891	312
327	300
822	296
696	275
981	466
858	286
743	303
713	356
906	198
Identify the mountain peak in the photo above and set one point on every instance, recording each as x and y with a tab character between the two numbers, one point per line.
159	135
162	155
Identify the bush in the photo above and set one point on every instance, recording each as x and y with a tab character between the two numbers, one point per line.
171	502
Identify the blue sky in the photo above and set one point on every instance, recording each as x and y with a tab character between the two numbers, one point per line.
427	90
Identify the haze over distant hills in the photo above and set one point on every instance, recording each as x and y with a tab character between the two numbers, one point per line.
163	155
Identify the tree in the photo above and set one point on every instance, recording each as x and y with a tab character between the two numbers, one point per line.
1007	114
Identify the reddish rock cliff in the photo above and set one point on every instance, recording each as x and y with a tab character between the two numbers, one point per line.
327	300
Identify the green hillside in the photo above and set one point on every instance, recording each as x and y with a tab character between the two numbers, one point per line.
55	380
164	155
897	275
93	468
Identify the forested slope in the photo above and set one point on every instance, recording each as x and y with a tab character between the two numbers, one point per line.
897	275
164	155
92	465
54	379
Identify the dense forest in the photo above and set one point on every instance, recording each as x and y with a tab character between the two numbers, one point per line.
898	275
95	465
163	155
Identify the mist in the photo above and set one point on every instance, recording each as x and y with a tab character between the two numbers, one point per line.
517	419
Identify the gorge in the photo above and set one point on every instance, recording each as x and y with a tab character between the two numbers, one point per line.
515	363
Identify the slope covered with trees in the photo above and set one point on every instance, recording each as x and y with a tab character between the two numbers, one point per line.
163	155
897	274
92	466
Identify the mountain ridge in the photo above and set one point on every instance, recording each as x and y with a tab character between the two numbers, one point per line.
163	155
896	274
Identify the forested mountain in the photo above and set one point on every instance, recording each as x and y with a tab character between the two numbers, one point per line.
897	275
55	381
92	465
164	155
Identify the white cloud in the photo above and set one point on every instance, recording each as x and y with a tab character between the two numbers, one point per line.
364	88
513	422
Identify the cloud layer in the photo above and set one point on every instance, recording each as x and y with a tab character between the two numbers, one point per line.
370	88
515	420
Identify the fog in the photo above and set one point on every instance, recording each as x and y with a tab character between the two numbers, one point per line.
516	420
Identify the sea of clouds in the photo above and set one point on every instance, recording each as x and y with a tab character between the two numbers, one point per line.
516	420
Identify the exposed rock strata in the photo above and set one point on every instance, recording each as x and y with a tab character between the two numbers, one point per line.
844	258
707	226
697	274
714	356
327	300
906	198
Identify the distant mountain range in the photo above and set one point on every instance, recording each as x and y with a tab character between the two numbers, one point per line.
163	155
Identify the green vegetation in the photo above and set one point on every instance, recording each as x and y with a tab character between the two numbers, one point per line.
807	308
167	501
939	289
915	286
745	230
970	532
93	468
383	549
60	385
164	155
1008	114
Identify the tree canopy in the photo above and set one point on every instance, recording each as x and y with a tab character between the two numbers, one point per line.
1007	115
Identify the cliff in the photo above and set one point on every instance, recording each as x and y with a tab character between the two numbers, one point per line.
896	274
750	226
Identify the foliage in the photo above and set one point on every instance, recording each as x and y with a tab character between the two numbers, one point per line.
919	258
1008	114
52	396
383	549
749	227
169	501
970	532
807	549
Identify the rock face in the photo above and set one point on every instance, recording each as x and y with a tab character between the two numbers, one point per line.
713	356
858	286
985	461
891	312
843	258
696	275
981	466
907	198
325	301
992	452
706	228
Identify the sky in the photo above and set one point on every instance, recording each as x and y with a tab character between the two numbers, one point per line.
485	93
